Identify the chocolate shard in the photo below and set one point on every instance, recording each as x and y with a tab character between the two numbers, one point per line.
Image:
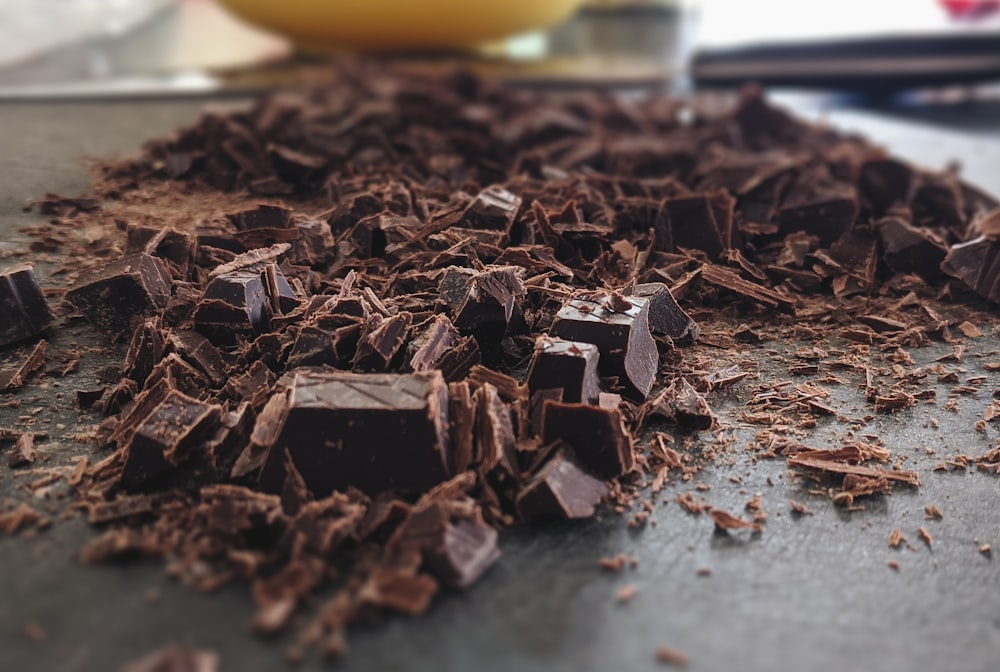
566	365
619	327
439	346
456	546
597	435
747	289
562	488
977	264
908	249
117	294
23	310
234	303
144	351
23	452
666	317
699	222
374	432
680	402
200	353
13	378
819	206
884	183
176	249
487	298
380	341
493	208
462	426
495	440
167	437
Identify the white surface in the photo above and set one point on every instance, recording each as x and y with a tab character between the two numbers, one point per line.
729	23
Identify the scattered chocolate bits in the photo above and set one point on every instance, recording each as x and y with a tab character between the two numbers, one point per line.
460	306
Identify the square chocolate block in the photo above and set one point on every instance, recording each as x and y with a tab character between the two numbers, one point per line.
619	327
375	432
597	435
168	435
114	296
23	310
562	488
567	365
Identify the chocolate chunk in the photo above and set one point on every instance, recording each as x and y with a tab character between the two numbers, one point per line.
884	183
495	440
908	249
457	548
700	222
117	294
462	415
597	435
485	298
681	403
23	452
620	330
977	264
381	339
200	353
818	205
176	659
566	365
23	310
375	432
144	351
166	437
174	248
666	317
234	303
562	488
493	208
439	346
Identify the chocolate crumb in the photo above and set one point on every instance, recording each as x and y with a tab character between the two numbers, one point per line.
669	656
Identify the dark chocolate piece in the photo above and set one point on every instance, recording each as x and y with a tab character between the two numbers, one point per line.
462	416
701	222
884	183
727	279
375	432
666	317
144	351
381	339
120	292
23	451
908	249
234	303
166	437
23	310
200	353
619	328
977	264
439	346
566	365
818	206
680	402
493	208
485	298
597	435
14	378
495	440
562	488
457	547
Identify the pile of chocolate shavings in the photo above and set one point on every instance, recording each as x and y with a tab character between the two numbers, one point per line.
370	324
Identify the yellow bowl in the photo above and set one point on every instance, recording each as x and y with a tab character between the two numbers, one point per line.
399	25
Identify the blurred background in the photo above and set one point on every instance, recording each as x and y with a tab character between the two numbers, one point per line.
936	60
